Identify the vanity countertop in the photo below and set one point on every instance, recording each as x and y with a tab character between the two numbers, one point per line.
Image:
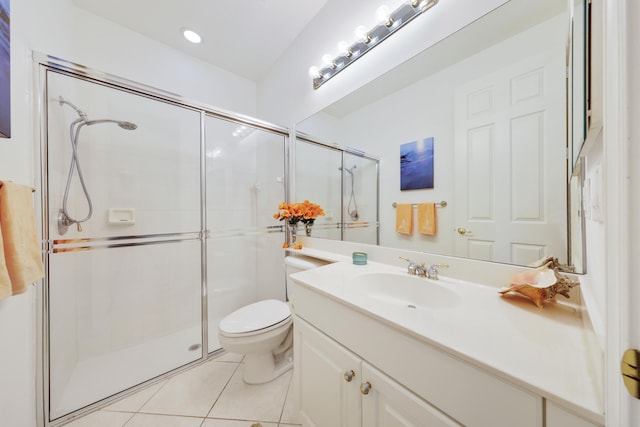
549	351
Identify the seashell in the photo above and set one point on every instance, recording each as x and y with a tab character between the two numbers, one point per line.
541	284
541	277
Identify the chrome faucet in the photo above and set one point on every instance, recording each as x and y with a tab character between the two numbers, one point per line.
415	269
420	270
412	268
432	271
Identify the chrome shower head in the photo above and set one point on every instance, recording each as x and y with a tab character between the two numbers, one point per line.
128	125
349	170
122	124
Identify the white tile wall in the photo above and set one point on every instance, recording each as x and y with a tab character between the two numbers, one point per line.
153	169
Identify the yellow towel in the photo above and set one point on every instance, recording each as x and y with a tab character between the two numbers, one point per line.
427	219
22	258
5	280
404	218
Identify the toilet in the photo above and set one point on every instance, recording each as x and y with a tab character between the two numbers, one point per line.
263	331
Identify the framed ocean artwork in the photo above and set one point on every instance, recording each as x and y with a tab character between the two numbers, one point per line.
5	70
416	165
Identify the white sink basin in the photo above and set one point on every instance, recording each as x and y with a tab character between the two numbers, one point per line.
404	290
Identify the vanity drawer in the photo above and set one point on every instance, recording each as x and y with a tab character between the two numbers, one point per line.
468	393
557	416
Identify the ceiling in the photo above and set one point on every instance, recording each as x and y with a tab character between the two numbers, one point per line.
243	37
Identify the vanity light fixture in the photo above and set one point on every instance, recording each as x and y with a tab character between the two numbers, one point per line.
191	35
389	23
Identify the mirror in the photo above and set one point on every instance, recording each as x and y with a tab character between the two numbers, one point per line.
493	96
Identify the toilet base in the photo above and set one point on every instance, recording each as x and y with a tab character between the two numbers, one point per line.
262	368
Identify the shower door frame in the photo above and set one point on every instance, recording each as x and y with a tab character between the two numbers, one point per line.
344	151
43	64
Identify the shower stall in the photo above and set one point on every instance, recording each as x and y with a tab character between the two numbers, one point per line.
156	223
345	183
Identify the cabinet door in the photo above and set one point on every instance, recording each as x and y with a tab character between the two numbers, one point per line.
325	397
559	417
388	404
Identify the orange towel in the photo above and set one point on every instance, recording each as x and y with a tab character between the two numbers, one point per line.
22	257
404	218
5	280
427	219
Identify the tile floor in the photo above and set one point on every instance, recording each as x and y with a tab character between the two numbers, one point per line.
210	395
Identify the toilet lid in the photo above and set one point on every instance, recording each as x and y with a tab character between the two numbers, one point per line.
255	316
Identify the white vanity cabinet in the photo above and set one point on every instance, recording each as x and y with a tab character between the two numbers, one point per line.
337	388
412	381
326	379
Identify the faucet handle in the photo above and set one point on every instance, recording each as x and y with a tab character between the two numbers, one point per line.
432	272
412	267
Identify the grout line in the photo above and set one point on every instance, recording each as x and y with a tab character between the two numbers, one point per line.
163	415
225	386
286	396
162	384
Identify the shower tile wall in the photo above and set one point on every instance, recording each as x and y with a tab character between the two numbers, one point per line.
153	169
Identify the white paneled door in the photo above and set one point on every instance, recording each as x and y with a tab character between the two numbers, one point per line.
510	163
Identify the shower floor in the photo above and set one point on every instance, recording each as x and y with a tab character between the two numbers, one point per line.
103	376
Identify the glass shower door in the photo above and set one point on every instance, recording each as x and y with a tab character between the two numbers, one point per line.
360	199
124	286
245	183
318	180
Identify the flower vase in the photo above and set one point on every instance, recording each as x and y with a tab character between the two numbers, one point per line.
307	228
293	230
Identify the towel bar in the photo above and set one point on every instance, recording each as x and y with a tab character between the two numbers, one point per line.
442	204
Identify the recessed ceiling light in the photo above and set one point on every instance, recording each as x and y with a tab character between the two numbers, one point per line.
191	35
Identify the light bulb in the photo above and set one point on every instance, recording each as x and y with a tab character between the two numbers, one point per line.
361	34
191	35
343	49
384	16
314	72
328	60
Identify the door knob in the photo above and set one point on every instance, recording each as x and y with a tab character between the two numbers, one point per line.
462	231
631	372
348	375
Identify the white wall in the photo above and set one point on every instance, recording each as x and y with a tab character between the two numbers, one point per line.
60	29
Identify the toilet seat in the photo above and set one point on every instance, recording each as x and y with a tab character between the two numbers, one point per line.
256	318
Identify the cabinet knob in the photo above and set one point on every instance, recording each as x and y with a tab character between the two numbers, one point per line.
365	387
348	376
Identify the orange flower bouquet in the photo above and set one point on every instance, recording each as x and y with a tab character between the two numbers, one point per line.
305	212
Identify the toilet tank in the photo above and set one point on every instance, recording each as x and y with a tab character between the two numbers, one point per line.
296	263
